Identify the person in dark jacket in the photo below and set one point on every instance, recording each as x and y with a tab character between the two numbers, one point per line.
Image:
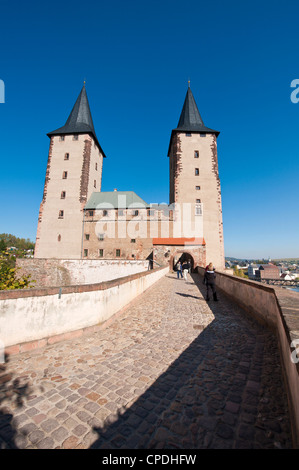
209	281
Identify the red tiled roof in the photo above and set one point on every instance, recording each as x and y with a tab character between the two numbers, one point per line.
179	241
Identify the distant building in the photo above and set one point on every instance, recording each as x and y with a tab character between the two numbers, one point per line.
252	269
286	277
267	271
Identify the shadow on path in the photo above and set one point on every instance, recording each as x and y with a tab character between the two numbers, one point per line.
13	391
224	391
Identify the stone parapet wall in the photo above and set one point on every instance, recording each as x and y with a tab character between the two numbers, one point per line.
59	272
278	309
32	318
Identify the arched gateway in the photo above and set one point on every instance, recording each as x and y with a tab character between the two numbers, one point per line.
171	250
184	257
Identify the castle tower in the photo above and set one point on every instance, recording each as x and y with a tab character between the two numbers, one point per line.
74	171
194	177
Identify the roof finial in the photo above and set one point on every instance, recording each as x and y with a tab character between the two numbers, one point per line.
84	82
189	83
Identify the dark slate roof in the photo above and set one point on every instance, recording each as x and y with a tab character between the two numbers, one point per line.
80	120
190	119
115	200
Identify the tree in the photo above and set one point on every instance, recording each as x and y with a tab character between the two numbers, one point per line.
2	245
19	243
239	272
9	278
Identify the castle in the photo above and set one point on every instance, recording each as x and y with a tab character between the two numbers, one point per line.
79	221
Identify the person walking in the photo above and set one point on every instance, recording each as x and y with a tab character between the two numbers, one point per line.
209	281
185	270
179	270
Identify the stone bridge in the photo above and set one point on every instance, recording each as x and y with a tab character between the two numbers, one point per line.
169	371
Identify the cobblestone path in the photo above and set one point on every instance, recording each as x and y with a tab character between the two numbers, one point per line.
172	372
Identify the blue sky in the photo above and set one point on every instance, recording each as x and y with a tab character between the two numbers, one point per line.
137	57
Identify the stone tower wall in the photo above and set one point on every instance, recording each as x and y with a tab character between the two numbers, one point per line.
184	182
61	236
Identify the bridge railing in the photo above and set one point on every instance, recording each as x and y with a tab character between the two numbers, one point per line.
33	318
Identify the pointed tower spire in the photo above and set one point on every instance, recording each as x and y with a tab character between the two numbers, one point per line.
190	119
79	120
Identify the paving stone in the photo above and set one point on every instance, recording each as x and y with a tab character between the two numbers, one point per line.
60	434
80	430
36	436
49	425
46	443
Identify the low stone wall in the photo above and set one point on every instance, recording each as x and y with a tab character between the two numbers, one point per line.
61	272
277	308
32	318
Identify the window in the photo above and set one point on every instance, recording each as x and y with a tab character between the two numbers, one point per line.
198	201
94	183
76	137
117	253
188	134
85	252
61	138
120	212
135	212
133	240
66	156
90	213
196	171
87	236
197	188
101	237
64	175
101	252
60	216
196	154
105	213
198	210
59	238
202	135
62	196
96	167
150	212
